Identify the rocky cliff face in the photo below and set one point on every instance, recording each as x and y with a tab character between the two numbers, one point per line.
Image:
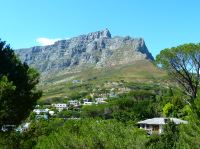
97	49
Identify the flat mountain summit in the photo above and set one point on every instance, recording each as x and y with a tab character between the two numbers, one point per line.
94	50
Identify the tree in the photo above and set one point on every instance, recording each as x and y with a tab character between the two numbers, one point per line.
167	109
183	64
190	133
18	93
93	133
167	140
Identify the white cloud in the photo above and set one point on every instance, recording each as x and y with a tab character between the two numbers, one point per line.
46	41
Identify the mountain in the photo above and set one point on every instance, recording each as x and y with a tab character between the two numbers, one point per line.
93	60
94	50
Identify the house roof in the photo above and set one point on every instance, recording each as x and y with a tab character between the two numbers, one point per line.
162	121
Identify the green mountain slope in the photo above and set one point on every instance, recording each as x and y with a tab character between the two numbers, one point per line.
61	85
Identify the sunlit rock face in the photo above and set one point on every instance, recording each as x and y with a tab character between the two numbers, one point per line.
96	49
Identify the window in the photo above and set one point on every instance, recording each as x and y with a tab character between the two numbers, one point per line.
147	126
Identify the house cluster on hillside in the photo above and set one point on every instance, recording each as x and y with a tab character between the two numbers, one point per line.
101	100
44	113
98	95
76	104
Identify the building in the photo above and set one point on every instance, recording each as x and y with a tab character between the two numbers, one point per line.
42	116
7	127
100	99
51	113
74	103
88	103
85	100
60	106
101	102
40	111
75	81
112	95
155	125
23	127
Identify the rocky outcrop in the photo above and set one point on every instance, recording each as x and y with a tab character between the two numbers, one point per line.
97	49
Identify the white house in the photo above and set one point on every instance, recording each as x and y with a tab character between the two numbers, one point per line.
101	102
112	95
155	125
23	127
85	100
40	111
7	127
51	113
74	103
100	99
60	106
75	81
88	103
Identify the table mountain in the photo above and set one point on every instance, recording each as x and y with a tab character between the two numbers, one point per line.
97	50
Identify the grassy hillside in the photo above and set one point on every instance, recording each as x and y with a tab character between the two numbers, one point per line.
140	71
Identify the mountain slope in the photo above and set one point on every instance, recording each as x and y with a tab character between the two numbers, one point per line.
139	71
93	59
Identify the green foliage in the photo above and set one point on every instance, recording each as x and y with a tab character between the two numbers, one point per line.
168	140
18	92
172	102
94	134
6	92
190	133
167	109
68	114
124	108
93	111
77	95
37	130
10	140
182	63
184	136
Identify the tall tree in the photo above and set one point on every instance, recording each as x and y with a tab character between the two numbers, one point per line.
190	133
18	93
183	64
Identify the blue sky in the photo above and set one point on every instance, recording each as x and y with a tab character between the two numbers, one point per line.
162	23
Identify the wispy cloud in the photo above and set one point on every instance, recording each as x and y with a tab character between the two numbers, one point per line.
46	41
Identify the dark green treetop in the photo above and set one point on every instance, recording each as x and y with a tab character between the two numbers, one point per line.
18	93
183	64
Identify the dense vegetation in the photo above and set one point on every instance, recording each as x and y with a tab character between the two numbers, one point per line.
114	124
18	94
91	133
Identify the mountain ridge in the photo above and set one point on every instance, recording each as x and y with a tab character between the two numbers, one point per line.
93	50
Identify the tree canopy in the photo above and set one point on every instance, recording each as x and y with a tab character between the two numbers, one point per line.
18	93
183	64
